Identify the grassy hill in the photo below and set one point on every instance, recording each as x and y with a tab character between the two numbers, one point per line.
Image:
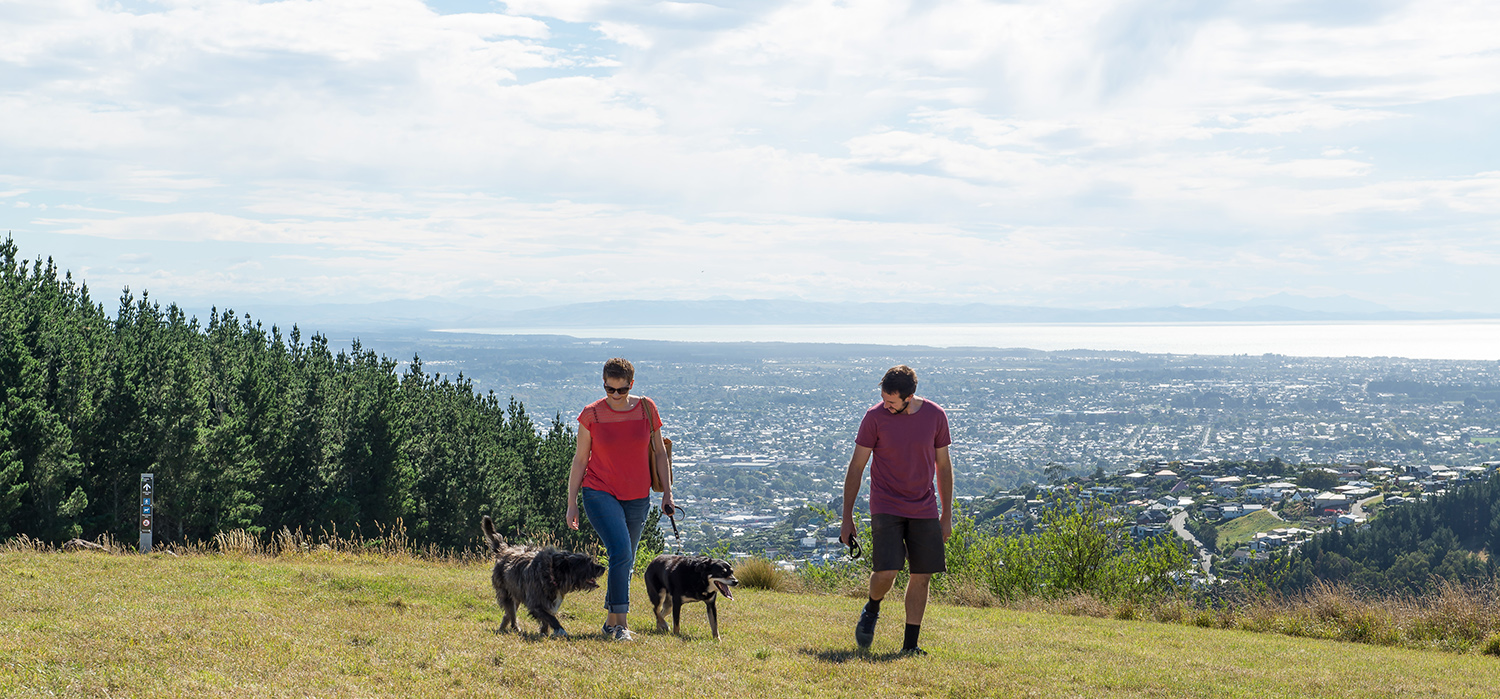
333	625
1240	529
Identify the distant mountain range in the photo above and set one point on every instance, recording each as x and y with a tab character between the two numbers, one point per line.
432	313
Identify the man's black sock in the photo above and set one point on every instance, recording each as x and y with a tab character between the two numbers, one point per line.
873	605
912	631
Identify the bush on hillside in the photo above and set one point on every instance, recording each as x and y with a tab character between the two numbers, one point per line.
1078	550
761	574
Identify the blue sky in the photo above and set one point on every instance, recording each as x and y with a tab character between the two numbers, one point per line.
1081	154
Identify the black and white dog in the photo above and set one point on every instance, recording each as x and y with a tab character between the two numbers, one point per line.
679	579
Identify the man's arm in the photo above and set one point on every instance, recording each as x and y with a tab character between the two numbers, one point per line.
852	481
945	489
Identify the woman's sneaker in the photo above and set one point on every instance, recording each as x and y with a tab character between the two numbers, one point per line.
618	633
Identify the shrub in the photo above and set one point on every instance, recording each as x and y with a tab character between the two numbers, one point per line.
1491	645
1077	551
761	574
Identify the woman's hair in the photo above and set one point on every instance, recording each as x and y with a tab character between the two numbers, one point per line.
619	368
900	380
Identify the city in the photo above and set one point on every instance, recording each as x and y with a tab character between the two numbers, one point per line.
762	431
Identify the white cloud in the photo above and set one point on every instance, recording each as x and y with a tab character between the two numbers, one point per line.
1097	153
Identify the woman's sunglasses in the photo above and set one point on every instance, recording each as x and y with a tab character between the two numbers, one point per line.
612	390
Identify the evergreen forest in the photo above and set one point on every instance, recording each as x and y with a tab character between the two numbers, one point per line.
247	428
1409	549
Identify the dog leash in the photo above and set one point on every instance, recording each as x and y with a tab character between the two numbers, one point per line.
672	517
855	551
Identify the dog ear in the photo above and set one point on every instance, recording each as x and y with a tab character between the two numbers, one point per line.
556	563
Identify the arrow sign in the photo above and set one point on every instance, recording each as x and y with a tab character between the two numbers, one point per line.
146	488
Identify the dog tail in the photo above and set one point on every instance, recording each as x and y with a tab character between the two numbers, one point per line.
492	537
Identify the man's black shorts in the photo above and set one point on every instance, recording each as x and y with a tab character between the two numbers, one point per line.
898	539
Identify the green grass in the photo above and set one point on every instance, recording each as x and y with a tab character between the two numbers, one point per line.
90	624
1239	530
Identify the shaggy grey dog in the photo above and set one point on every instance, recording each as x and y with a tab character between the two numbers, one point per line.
537	578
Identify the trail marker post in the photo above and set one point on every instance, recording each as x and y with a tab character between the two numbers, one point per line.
148	509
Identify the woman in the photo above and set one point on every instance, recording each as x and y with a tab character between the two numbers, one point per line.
611	470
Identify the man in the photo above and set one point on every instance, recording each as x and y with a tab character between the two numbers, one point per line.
909	438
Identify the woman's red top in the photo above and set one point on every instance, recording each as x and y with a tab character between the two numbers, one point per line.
618	443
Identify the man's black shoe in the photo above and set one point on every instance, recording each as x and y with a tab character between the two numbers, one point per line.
864	631
913	651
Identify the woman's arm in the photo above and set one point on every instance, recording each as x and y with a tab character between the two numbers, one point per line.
575	474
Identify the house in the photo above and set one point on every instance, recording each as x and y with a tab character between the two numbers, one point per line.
1146	531
1264	493
1329	501
1265	541
1152	515
1165	475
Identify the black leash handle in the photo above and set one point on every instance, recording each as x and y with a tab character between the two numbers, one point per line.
855	551
672	517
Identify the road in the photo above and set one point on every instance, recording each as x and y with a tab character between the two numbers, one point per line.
1358	508
1178	523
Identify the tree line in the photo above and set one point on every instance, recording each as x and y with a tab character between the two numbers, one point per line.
246	428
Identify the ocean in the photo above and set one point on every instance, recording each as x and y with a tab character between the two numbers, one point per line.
1436	339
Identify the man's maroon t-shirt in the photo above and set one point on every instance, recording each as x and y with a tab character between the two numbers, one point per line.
905	446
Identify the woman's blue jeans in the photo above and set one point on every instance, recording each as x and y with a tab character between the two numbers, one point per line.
619	524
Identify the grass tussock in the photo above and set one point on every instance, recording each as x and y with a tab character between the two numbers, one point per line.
761	574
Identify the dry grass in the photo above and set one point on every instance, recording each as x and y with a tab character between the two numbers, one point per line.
332	623
388	543
1454	618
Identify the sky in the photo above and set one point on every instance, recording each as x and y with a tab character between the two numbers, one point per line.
1058	153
